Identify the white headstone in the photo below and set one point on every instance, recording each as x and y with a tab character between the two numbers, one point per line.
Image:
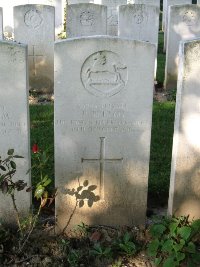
8	13
139	22
166	5
85	20
1	23
34	25
183	24
112	15
14	121
147	2
184	197
102	129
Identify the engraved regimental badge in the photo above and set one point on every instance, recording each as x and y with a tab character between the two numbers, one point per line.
103	74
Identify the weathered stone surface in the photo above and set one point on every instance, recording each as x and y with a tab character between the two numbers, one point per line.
183	24
166	4
14	121
86	20
34	25
1	23
139	22
147	2
102	129
112	15
184	197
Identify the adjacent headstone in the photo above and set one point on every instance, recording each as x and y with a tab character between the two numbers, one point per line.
166	5
14	122
85	20
112	15
8	13
184	24
102	130
184	197
147	2
139	22
34	25
1	23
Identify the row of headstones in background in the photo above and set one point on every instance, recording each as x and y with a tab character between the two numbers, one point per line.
8	12
138	21
34	25
183	24
166	5
104	145
1	23
112	10
14	121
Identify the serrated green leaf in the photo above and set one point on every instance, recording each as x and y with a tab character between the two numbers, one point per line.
184	232
180	256
169	262
178	246
157	230
172	227
153	248
126	237
157	261
167	246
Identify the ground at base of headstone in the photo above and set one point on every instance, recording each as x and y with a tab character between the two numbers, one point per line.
84	246
40	99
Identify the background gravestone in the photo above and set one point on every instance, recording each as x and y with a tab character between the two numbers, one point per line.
102	129
166	5
184	197
147	2
8	13
85	20
139	22
14	121
183	24
112	15
34	25
1	23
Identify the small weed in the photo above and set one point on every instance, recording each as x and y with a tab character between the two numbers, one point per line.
125	245
101	252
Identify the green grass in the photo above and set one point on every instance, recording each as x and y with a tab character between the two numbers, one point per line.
161	150
160	75
42	133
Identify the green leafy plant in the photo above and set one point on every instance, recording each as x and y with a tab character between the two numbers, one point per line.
74	258
101	252
174	242
9	185
125	245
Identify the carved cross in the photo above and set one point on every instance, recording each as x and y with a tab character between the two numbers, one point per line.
102	160
34	56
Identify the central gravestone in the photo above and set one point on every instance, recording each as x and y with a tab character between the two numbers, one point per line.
14	122
102	130
86	20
